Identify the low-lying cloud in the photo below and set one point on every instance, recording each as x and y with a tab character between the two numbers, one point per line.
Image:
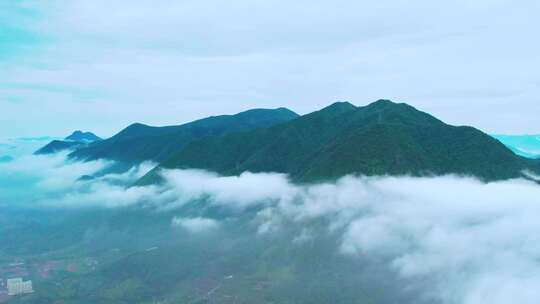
195	225
55	181
236	192
476	242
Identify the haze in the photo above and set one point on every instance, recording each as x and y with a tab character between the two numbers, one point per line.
102	65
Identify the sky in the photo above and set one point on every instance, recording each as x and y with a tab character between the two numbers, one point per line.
101	65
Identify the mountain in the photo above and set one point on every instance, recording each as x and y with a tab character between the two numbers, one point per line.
383	138
139	142
524	145
57	146
76	140
80	136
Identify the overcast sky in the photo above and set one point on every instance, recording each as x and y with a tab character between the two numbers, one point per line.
100	65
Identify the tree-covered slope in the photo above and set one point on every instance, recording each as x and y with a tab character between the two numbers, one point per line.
383	138
139	142
56	146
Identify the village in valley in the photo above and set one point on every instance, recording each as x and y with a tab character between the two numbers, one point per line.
16	278
12	281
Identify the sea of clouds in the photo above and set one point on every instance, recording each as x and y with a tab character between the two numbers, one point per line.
474	242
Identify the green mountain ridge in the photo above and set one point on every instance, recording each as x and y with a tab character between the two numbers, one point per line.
57	146
383	138
139	142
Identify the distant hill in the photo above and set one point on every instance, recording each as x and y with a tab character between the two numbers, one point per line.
80	136
75	140
383	138
524	145
5	158
139	142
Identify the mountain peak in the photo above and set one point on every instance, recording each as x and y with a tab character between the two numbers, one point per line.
339	106
261	113
287	111
81	136
387	111
137	125
382	103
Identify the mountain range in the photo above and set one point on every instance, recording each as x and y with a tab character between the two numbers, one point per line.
382	138
139	142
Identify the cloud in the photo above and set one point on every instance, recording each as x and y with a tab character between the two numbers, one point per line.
195	225
236	192
15	147
104	61
54	181
48	173
110	190
473	242
305	236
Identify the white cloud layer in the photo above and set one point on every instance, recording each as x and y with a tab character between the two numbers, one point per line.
476	242
195	225
52	180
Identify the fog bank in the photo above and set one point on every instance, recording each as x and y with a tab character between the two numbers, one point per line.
476	242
